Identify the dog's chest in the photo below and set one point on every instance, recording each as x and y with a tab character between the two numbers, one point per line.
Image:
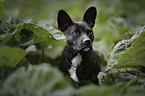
75	62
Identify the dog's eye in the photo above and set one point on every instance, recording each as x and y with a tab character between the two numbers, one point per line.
75	33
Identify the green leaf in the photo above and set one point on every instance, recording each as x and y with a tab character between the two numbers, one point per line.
120	89
25	34
92	90
104	79
135	56
5	30
129	53
11	56
57	35
42	80
40	33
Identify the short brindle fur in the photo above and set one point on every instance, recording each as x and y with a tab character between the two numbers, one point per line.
79	61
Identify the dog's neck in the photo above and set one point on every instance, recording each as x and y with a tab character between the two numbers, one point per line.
76	60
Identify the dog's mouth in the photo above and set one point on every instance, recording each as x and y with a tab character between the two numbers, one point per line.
84	49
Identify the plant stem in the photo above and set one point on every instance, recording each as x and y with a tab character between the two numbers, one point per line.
41	56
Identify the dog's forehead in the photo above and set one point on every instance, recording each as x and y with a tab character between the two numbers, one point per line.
81	25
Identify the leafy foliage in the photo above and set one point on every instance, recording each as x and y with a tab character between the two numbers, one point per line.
117	90
129	53
31	46
41	80
128	57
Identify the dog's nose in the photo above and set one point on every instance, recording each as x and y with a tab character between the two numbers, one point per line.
86	41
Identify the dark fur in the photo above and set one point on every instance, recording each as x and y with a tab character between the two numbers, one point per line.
79	39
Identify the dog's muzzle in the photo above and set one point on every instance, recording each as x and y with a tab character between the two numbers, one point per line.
87	45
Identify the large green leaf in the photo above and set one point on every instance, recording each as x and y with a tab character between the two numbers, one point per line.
42	80
11	56
129	53
26	34
40	34
57	35
135	56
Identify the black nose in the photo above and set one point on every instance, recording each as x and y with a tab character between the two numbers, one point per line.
87	41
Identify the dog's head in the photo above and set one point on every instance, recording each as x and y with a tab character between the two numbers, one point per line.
79	35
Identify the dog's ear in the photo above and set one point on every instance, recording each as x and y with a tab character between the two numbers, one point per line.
63	20
90	16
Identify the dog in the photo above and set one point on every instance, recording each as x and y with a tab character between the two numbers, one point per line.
79	61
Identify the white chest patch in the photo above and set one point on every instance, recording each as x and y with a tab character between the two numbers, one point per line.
75	62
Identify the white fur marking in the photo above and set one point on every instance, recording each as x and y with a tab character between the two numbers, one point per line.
75	62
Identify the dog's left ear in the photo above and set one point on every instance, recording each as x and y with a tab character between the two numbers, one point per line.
90	16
